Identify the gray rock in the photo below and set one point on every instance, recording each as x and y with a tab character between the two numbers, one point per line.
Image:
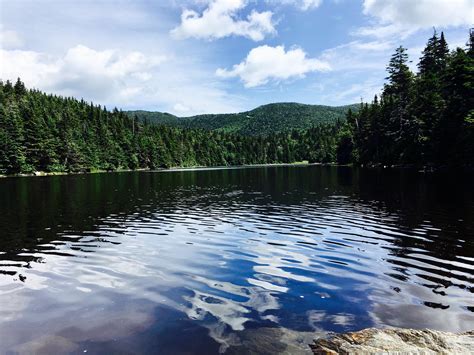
395	341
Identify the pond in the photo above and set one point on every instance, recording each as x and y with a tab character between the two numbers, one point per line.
238	260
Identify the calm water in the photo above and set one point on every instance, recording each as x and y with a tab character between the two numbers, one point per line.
235	260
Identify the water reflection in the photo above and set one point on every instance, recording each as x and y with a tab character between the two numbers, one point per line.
230	259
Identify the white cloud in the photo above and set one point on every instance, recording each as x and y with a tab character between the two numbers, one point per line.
421	13
220	20
32	67
81	59
9	39
267	63
81	71
404	17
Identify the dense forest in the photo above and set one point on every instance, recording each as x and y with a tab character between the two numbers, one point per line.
422	119
266	119
40	132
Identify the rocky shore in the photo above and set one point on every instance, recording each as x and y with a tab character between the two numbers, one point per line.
395	341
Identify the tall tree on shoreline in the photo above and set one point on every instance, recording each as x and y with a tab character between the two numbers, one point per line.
421	119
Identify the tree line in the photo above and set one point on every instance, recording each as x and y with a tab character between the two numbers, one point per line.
41	132
420	119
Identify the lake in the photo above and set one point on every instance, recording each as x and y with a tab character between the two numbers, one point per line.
230	260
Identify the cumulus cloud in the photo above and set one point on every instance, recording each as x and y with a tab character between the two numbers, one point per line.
82	70
32	67
267	63
422	13
403	17
220	20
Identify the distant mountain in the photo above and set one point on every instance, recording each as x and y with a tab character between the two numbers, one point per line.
271	118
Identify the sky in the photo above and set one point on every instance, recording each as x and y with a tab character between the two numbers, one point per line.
214	56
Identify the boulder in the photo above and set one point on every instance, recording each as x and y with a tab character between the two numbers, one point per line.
395	341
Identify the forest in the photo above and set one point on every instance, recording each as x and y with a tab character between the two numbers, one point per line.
40	132
422	119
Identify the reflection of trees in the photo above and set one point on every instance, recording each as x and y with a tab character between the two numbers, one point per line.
433	243
35	211
437	208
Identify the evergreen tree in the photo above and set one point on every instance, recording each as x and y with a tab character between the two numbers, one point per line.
19	88
424	119
459	94
400	126
428	103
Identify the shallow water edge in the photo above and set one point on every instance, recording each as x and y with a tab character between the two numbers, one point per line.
420	169
178	168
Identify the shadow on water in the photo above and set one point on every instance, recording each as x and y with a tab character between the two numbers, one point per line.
232	259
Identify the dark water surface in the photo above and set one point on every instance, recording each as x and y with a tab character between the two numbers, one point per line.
234	260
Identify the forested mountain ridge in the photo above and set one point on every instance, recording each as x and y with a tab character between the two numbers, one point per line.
41	132
266	119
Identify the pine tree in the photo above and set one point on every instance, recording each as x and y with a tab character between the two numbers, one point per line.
399	87
19	88
428	104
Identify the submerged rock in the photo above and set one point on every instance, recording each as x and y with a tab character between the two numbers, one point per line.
395	341
271	341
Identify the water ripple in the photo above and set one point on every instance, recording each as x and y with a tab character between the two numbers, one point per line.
231	257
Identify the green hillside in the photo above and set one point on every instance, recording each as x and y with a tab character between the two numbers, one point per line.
49	133
162	118
271	118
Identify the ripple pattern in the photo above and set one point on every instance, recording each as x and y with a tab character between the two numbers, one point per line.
224	253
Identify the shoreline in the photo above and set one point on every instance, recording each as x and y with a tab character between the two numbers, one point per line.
418	169
65	173
170	169
224	167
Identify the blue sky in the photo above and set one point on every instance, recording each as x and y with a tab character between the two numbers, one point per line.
202	56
